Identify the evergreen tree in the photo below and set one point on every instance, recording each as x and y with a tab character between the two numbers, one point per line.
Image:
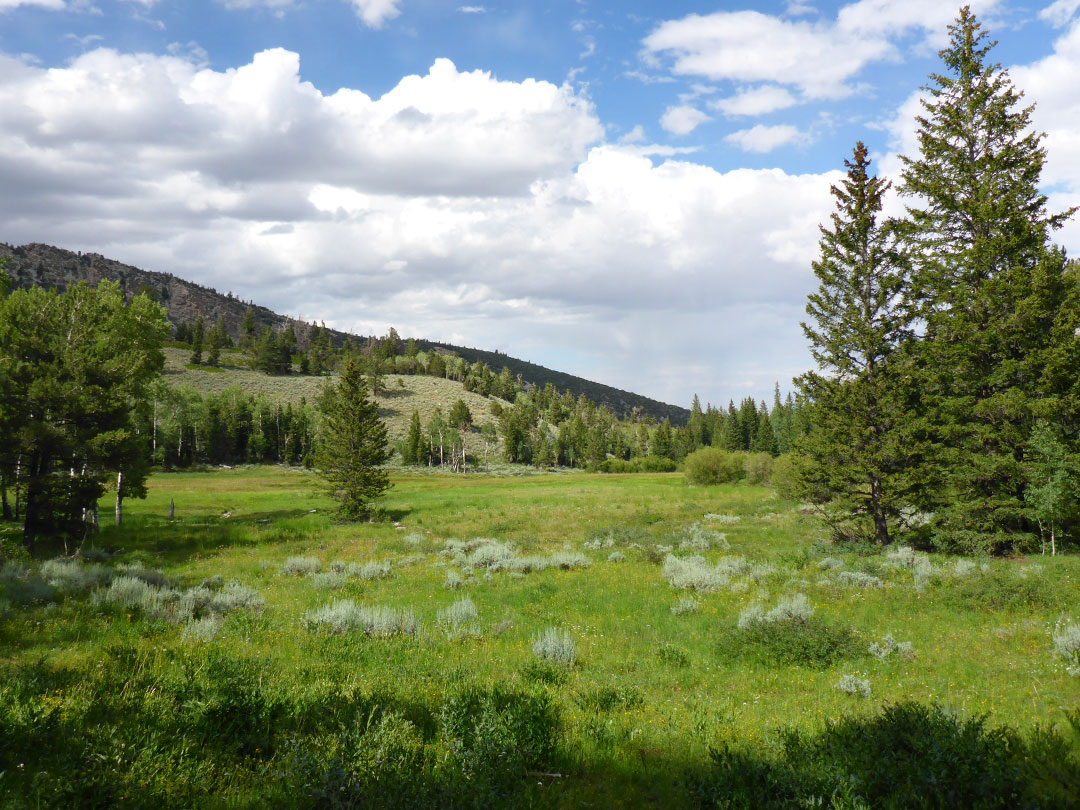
197	334
352	445
460	415
74	369
989	287
413	450
858	451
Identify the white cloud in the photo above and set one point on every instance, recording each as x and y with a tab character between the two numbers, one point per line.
819	58
816	58
51	5
375	12
1060	12
894	18
761	139
471	9
454	204
755	101
683	119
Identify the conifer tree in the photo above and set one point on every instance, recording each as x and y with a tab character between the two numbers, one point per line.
197	334
353	445
413	450
858	454
989	287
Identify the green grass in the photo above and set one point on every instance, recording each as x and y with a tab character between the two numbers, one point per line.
650	690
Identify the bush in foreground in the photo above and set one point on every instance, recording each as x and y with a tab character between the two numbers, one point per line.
910	755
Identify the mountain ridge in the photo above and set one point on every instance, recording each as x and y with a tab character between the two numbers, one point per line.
50	266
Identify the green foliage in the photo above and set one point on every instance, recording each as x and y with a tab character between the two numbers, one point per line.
910	755
711	465
991	290
860	451
352	445
74	371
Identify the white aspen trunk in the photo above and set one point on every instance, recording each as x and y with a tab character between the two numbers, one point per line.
153	436
119	497
1053	542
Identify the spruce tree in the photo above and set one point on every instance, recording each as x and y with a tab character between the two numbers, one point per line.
353	445
413	449
858	454
988	287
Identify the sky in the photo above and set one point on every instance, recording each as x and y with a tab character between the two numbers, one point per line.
626	191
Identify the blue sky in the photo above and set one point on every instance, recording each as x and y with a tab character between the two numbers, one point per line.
626	191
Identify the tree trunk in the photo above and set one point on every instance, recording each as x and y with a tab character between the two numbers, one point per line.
119	497
881	525
5	507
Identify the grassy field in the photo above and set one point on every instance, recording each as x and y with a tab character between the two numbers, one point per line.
647	579
401	395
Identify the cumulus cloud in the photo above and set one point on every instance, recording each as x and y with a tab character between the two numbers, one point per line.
761	139
683	119
453	205
471	9
755	101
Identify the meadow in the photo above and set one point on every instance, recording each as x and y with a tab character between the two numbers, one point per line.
541	640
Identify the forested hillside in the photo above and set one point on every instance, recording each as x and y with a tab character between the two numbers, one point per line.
53	267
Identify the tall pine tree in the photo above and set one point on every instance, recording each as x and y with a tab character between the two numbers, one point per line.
858	454
353	446
988	287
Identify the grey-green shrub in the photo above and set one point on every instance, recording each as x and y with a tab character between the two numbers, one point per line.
71	575
460	616
696	537
1067	645
693	573
493	554
131	592
830	563
851	685
414	539
204	629
616	556
858	579
792	609
889	646
375	569
345	615
555	645
569	559
685	606
329	580
453	580
301	566
150	576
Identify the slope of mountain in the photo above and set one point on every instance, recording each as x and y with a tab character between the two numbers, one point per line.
49	266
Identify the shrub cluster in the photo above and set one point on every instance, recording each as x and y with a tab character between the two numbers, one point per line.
909	755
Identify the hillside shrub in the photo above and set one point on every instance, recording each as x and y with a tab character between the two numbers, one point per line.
711	465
